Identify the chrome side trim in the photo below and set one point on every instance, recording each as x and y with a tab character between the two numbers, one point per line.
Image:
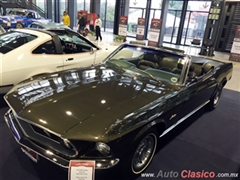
183	119
12	126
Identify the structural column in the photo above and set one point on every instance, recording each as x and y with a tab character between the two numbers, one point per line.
164	12
212	28
56	11
95	6
72	13
49	9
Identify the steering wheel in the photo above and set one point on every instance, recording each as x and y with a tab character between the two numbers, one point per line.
44	50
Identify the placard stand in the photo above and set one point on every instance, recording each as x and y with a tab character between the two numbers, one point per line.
81	170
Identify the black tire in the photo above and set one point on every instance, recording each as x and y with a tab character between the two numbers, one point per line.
141	154
214	101
19	25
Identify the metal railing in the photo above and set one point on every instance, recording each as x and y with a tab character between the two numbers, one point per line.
24	4
29	5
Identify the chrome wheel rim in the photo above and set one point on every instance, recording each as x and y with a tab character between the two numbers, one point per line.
217	96
144	153
19	26
216	99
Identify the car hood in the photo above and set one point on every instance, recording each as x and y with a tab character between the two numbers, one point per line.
92	98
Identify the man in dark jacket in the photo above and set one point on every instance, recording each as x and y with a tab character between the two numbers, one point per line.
81	22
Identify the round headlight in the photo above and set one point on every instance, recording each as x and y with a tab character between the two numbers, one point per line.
103	148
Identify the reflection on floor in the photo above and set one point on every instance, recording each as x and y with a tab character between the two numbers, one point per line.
234	84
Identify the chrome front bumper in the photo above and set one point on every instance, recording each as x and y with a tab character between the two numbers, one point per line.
47	153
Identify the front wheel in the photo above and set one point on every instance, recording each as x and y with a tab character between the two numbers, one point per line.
142	154
19	25
214	101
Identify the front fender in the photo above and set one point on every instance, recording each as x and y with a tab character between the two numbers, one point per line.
158	124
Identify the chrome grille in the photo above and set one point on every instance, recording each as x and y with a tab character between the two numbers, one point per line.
44	138
45	133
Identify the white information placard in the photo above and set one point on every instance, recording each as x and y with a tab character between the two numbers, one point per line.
81	170
235	50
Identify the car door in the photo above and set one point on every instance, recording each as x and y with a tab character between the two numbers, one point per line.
80	53
198	92
46	58
173	108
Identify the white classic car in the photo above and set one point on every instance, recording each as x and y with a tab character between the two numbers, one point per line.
25	53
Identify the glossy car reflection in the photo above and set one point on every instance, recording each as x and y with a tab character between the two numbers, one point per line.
21	18
114	112
2	30
48	25
25	53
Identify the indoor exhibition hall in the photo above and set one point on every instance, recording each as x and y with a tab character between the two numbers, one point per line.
119	89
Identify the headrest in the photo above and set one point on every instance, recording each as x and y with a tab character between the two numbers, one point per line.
207	67
179	66
191	68
150	57
148	63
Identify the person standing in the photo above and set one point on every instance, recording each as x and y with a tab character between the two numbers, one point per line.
66	19
9	24
81	22
97	27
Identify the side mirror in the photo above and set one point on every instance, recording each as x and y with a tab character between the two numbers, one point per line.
193	79
93	50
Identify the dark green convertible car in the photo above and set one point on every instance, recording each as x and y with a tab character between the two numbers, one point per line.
113	113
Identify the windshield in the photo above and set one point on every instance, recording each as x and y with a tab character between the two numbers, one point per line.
19	13
73	37
147	62
12	40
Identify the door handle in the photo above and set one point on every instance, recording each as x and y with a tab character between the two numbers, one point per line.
70	59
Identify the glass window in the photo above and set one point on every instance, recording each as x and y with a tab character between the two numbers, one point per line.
110	13
103	10
63	8
46	48
80	5
175	5
41	4
37	15
194	26
134	14
12	40
172	26
87	5
199	6
72	42
18	12
156	4
147	63
53	10
138	3
107	10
